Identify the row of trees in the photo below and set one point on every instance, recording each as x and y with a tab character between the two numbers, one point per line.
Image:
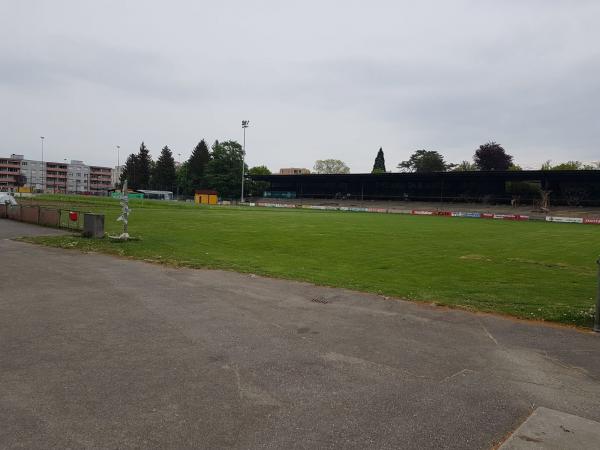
218	168
489	156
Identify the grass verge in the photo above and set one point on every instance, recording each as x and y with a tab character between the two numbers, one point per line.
532	270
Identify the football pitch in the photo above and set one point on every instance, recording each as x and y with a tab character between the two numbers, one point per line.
531	270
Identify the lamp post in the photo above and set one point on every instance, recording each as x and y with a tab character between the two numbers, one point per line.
118	177
43	165
245	124
176	175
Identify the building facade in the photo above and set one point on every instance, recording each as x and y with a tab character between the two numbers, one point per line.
564	187
78	177
10	172
293	171
33	171
116	175
100	179
75	177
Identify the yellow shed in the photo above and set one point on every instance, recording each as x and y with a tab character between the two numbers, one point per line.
205	197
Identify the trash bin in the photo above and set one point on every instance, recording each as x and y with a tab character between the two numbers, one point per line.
93	225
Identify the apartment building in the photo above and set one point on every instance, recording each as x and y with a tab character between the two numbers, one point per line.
78	177
33	172
10	173
116	174
75	177
100	179
55	177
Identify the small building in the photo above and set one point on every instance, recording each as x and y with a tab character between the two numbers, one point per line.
206	197
294	171
156	195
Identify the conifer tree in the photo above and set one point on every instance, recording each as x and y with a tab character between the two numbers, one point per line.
379	166
196	165
143	167
164	174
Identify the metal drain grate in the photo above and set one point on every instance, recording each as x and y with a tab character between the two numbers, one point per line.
320	299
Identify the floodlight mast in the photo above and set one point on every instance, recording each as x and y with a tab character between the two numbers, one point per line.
43	165
245	124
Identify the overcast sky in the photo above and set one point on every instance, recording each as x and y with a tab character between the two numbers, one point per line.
317	79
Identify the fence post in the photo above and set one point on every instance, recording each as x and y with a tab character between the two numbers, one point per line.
597	319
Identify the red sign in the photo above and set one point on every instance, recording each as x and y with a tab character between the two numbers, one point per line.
592	220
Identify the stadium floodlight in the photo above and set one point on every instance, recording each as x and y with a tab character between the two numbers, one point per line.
43	165
245	124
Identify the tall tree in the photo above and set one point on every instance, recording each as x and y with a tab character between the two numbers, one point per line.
379	166
129	172
144	167
257	188
491	156
197	164
164	174
464	166
224	170
184	183
330	166
425	161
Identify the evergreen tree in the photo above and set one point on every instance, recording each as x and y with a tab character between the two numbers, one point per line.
224	170
197	165
164	174
143	168
130	172
379	166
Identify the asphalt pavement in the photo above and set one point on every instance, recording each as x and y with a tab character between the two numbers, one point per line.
101	352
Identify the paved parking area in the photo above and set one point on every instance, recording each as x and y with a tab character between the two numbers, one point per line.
10	229
100	352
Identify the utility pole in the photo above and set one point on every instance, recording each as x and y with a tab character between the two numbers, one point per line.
43	165
118	178
176	176
245	124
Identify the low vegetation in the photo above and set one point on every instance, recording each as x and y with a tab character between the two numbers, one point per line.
525	269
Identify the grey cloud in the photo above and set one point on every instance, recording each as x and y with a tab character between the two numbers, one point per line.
403	75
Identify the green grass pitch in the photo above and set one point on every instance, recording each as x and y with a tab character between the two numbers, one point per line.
526	269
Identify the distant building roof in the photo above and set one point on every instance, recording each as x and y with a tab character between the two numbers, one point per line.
149	191
294	171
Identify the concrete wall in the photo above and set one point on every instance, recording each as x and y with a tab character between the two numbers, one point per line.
49	217
30	214
14	212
